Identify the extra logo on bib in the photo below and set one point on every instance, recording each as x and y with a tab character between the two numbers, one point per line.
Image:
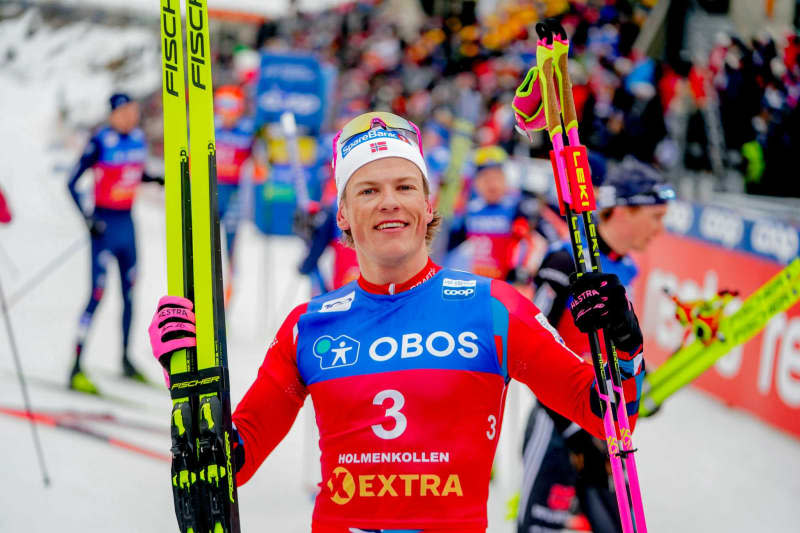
336	352
458	289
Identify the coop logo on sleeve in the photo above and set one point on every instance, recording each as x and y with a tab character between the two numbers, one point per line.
336	352
458	289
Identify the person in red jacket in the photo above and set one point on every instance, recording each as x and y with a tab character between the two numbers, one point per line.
409	365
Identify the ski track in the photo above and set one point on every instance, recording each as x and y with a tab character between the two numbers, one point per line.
703	466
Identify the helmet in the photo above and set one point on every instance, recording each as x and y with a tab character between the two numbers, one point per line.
489	156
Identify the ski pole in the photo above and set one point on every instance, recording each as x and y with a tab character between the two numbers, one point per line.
79	416
24	386
10	262
570	209
572	157
304	202
46	270
289	126
64	423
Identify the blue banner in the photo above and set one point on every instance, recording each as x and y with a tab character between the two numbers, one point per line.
765	237
275	206
276	201
292	82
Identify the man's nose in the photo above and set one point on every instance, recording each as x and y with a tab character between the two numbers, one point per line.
389	200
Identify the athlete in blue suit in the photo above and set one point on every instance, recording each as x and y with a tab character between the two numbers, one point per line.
562	462
117	155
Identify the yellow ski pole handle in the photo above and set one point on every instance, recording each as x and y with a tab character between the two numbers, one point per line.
560	53
544	59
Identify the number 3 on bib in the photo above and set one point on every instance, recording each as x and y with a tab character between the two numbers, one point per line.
393	411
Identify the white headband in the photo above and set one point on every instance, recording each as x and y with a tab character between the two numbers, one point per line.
372	145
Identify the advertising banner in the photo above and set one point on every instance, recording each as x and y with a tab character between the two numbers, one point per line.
276	201
292	82
299	83
709	248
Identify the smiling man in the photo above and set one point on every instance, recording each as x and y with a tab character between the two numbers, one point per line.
390	222
408	366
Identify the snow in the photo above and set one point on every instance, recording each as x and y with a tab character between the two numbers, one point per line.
703	466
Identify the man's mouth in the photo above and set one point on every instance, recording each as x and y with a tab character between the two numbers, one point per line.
391	224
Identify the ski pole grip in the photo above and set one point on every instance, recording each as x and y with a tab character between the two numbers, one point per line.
551	108
567	99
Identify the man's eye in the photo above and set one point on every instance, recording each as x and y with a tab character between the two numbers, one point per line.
369	191
407	187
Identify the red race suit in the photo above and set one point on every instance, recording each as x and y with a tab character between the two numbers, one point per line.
409	383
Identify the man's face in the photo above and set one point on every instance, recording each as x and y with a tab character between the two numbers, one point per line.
642	224
385	207
490	184
125	118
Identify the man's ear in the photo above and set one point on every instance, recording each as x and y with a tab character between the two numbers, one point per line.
341	220
428	211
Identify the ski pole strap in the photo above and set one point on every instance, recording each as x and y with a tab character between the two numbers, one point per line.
528	104
186	384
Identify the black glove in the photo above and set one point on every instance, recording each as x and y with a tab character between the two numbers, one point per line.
96	227
598	302
306	222
302	225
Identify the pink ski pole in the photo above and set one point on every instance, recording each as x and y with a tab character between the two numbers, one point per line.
561	50
573	201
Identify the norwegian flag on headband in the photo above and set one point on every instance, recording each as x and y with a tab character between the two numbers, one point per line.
379	146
